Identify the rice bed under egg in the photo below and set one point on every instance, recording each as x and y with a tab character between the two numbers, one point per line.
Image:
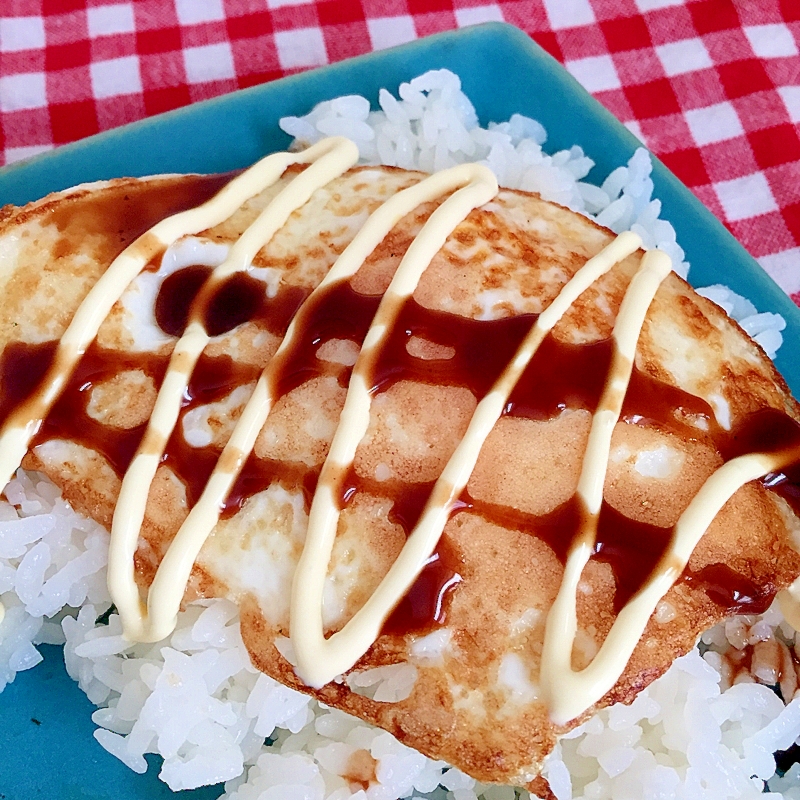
196	700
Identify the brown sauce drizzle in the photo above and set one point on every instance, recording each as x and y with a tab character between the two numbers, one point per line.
22	367
126	211
555	528
239	299
336	313
214	377
786	484
408	504
242	299
731	590
767	431
212	380
257	474
650	401
560	376
631	548
482	349
193	465
424	607
175	296
69	418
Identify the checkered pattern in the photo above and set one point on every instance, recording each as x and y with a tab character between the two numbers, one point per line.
711	86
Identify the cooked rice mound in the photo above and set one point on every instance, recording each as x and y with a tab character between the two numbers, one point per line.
659	742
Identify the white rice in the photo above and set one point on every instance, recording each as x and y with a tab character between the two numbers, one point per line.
764	328
196	700
434	126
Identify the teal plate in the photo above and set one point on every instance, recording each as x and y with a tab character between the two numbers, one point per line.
46	744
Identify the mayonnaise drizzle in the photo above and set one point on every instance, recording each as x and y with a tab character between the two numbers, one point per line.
570	693
328	159
24	422
319	660
173	573
567	692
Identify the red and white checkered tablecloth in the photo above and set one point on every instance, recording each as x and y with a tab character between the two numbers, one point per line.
711	86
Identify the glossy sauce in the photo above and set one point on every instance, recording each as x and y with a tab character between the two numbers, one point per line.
786	483
424	607
239	299
730	590
558	376
22	367
483	348
335	313
69	418
126	212
176	295
211	381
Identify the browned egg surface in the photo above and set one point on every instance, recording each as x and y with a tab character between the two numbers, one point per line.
701	393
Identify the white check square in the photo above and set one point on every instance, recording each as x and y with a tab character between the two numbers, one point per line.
791	99
116	76
784	269
745	197
283	3
14	154
108	20
211	62
771	41
303	47
688	55
390	31
193	12
21	33
715	123
652	5
635	128
569	13
26	90
595	74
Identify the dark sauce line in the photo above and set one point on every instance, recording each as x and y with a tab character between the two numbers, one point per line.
126	211
560	376
69	417
112	222
176	295
338	312
731	590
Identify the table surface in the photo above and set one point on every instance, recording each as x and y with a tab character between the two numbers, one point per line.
710	86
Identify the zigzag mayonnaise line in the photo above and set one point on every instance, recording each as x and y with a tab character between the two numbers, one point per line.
20	426
328	159
567	693
173	573
320	660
